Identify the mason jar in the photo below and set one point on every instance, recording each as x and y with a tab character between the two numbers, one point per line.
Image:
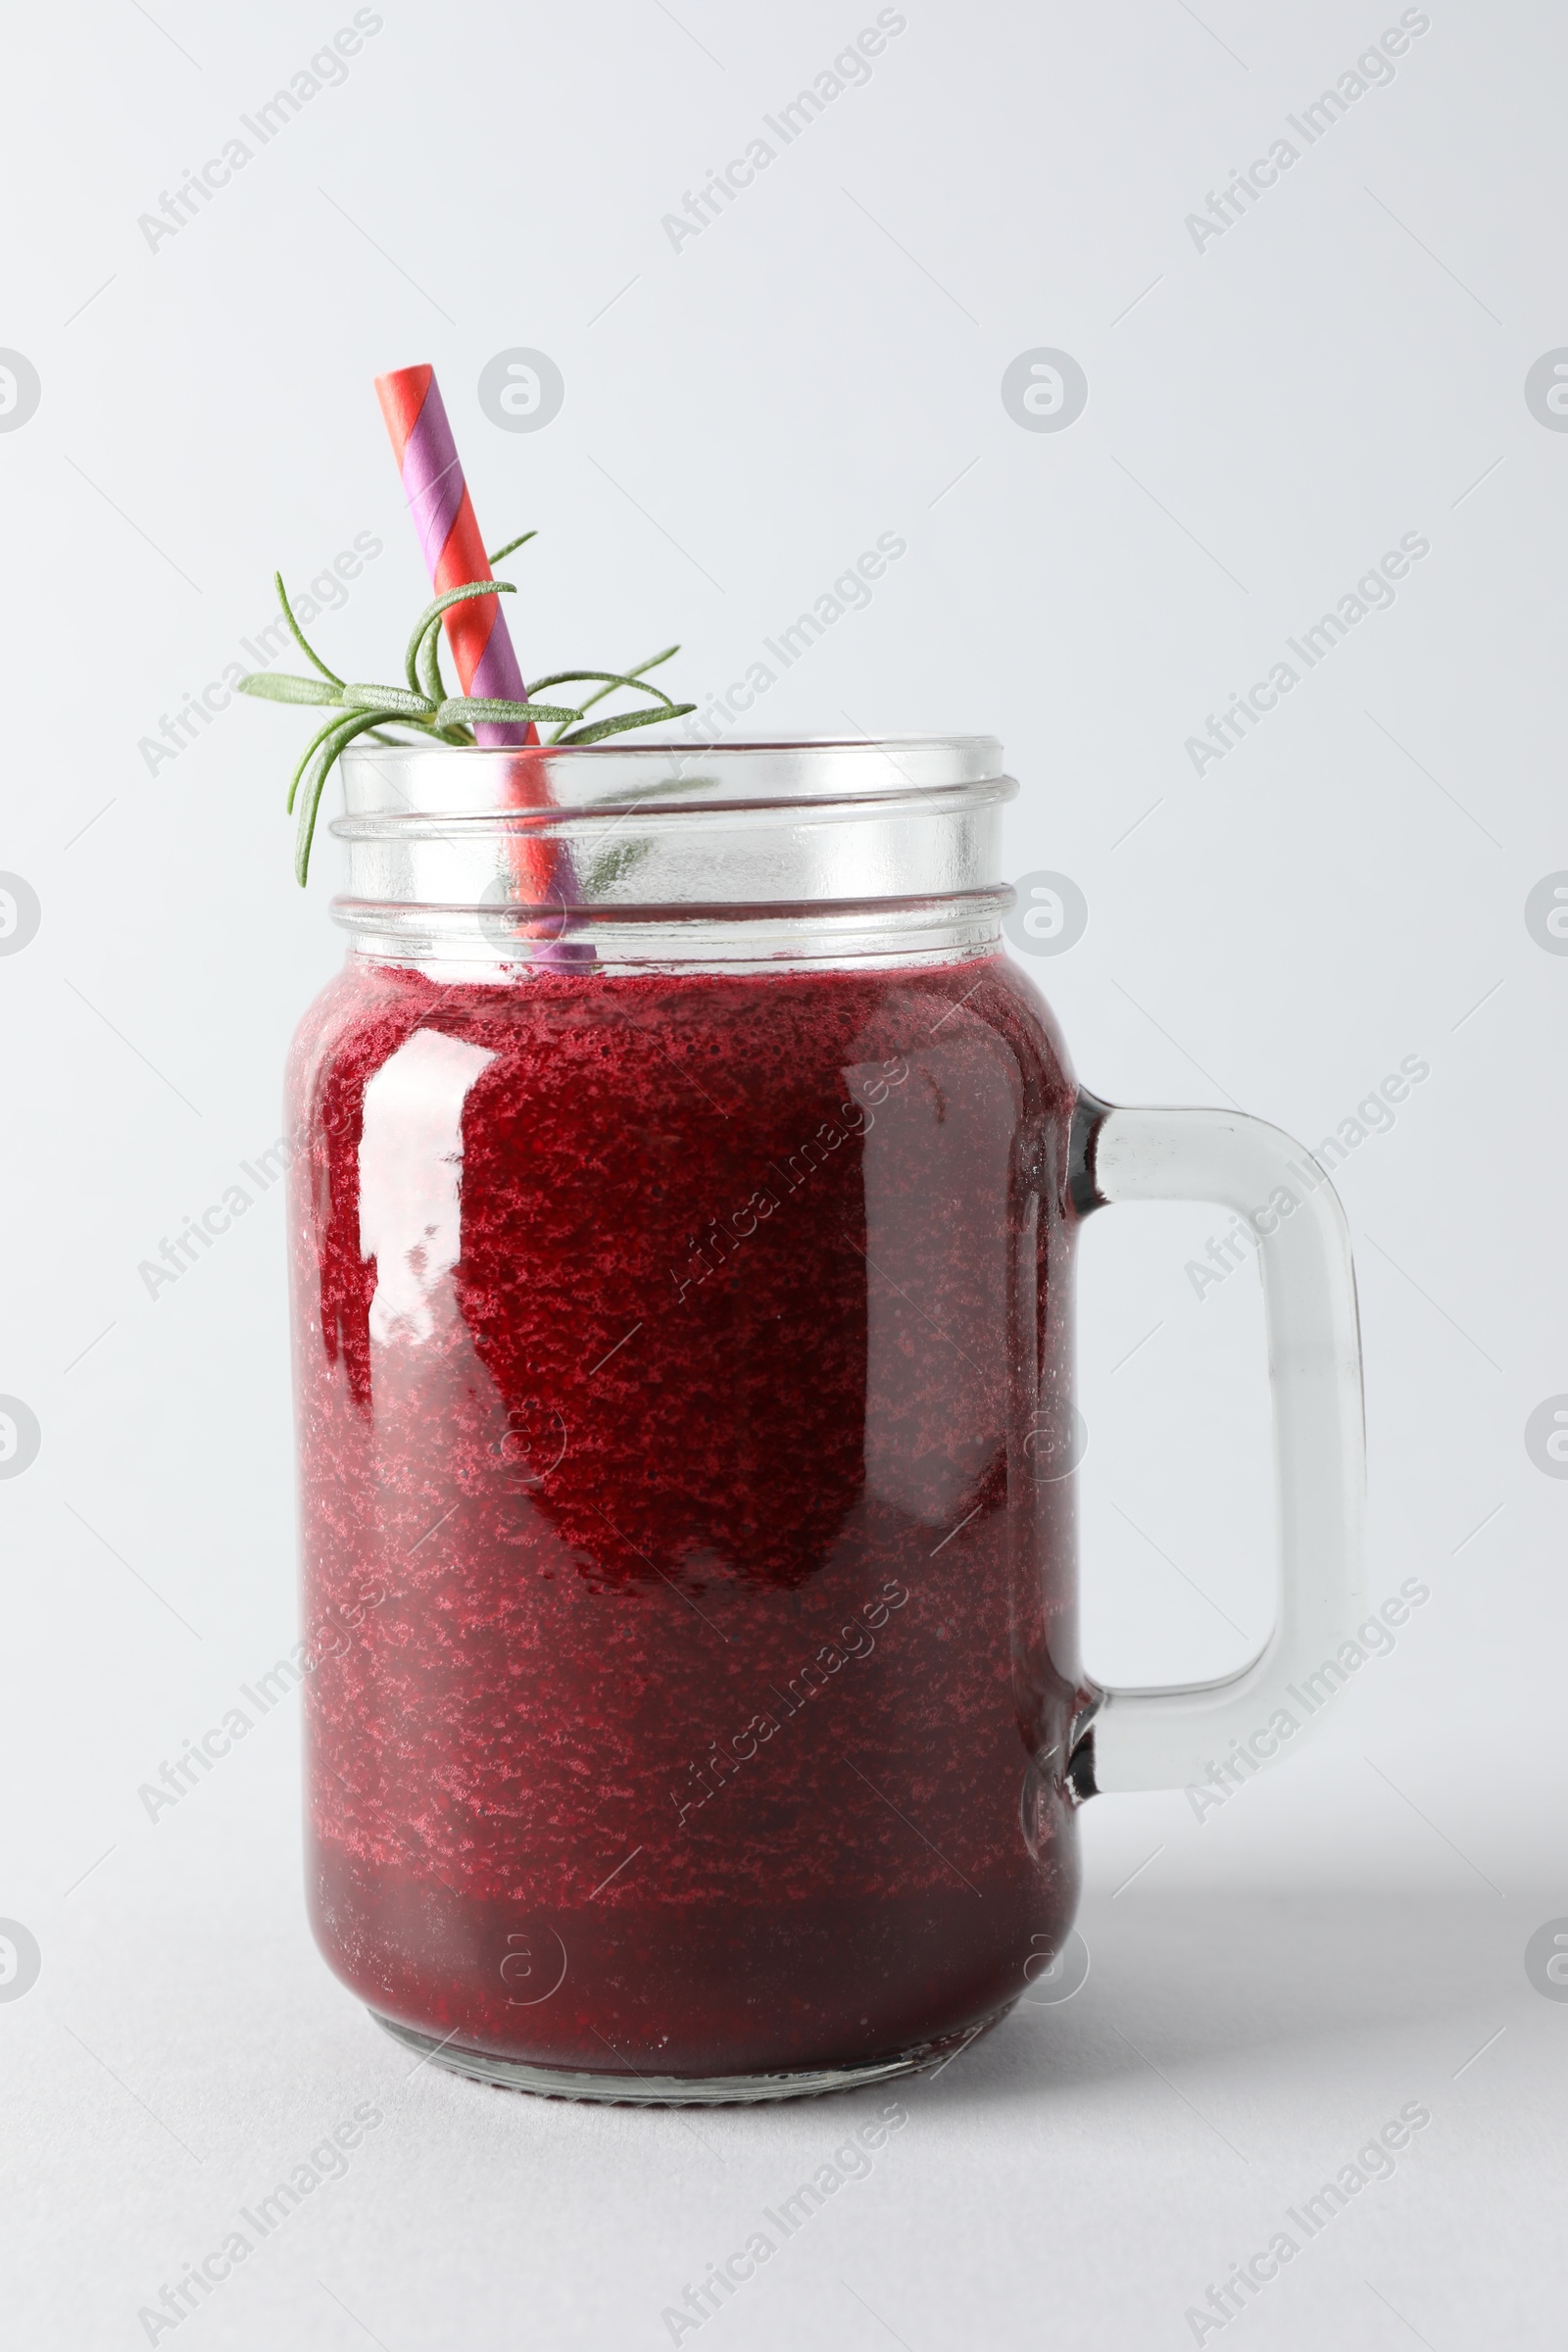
682	1231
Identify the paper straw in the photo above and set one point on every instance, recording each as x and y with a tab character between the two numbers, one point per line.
452	545
476	629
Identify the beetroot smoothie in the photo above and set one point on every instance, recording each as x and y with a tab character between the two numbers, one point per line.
681	1363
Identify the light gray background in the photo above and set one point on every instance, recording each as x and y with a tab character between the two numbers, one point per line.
1265	417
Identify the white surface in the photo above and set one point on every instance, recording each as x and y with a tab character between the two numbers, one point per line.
1083	2175
1342	891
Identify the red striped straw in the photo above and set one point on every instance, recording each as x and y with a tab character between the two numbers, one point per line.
453	547
476	629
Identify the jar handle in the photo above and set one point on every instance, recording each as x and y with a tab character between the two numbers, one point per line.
1171	1737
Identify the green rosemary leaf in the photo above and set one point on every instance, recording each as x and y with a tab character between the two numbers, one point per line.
433	611
429	712
427	664
308	755
602	727
463	709
277	686
637	676
611	679
342	735
390	700
631	677
298	634
614	865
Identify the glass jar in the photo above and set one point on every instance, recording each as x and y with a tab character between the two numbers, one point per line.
683	1229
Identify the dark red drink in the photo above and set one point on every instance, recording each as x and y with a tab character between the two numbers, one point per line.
682	1361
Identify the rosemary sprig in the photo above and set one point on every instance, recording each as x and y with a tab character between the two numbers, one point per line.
424	707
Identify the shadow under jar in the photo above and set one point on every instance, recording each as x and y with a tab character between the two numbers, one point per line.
683	1208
